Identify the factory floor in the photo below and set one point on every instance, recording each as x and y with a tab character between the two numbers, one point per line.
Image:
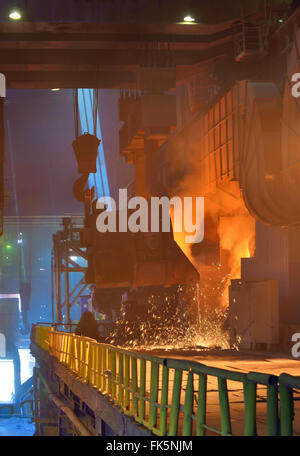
14	427
242	361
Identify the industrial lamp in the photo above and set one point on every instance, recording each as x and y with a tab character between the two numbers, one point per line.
18	10
188	18
15	15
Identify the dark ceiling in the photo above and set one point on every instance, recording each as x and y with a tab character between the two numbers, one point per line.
151	11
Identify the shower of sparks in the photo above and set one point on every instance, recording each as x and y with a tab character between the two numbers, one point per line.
180	320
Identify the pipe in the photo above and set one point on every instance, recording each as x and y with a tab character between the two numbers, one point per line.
83	431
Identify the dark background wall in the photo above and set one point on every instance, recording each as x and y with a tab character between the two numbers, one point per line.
40	162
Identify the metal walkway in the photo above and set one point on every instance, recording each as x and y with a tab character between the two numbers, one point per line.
167	396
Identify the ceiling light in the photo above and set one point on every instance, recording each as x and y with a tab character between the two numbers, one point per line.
189	18
15	15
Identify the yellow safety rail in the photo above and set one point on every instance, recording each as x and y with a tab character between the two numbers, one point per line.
41	335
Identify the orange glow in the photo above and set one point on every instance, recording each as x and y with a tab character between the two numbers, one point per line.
237	237
236	241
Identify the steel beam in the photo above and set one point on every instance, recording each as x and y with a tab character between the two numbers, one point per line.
36	55
65	244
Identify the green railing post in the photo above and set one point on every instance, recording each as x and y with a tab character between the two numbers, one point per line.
201	413
224	407
153	394
164	402
286	410
272	410
142	390
250	408
175	403
134	387
188	406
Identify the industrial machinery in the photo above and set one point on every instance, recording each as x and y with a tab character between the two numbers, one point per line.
243	158
237	148
132	267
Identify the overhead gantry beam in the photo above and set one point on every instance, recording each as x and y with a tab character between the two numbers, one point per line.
46	55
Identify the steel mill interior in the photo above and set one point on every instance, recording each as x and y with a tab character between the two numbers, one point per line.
149	220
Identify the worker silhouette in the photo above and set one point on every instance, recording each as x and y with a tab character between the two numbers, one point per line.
88	327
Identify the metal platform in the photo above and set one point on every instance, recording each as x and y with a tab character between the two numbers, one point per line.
122	392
